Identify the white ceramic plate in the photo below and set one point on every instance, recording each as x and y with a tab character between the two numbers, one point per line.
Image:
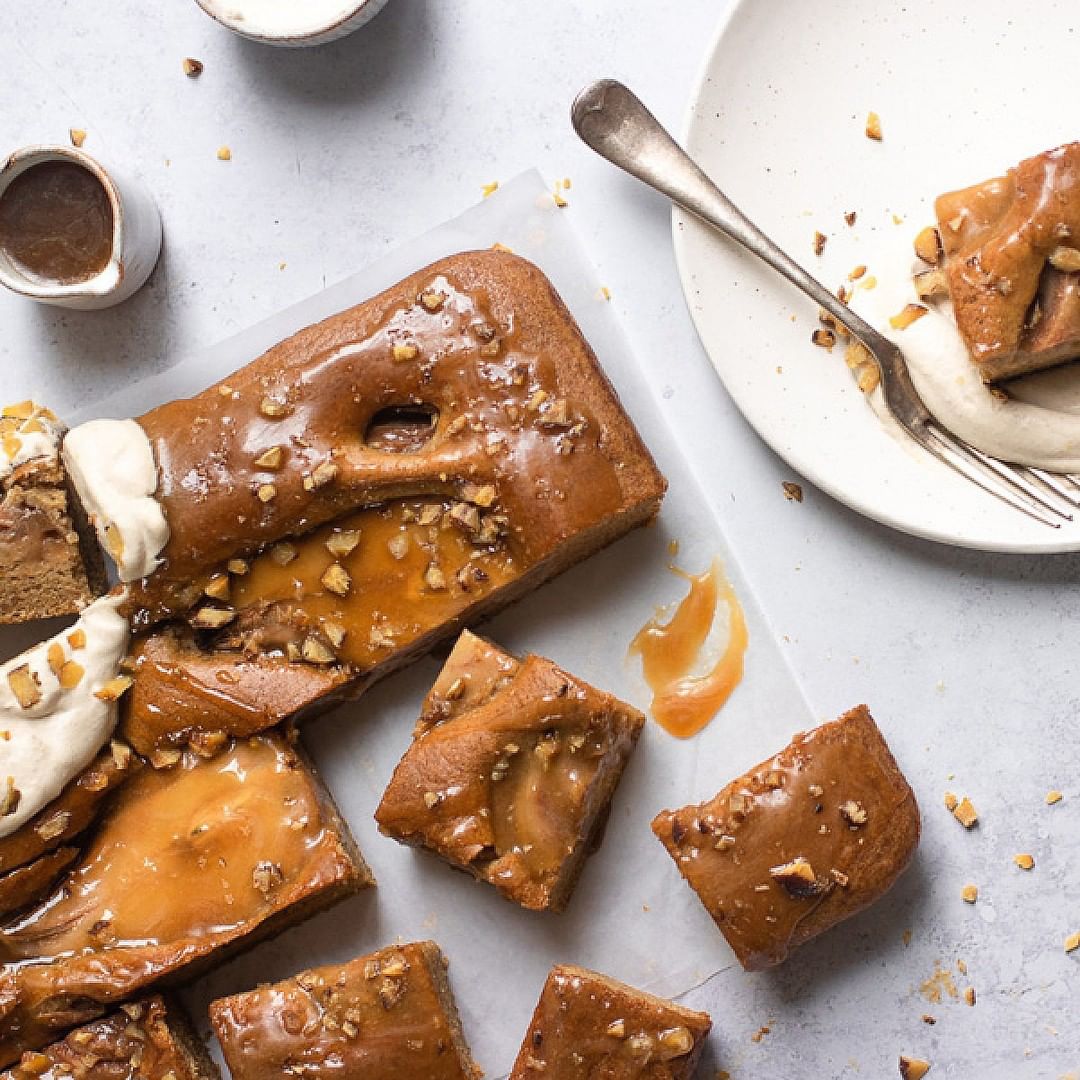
777	120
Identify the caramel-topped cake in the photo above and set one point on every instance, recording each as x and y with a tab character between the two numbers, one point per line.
800	842
511	772
388	1016
50	563
1012	263
146	1040
588	1026
357	493
186	865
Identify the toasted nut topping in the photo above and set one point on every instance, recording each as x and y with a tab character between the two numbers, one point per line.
406	352
481	494
969	994
398	545
283	553
432	799
557	414
71	675
77	639
823	339
798	878
816	791
1066	259
237	566
9	798
913	1068
273	408
25	685
931	284
272	458
1024	861
820	239
267	876
678	1040
217	588
928	246
1072	942
432	301
965	813
321	475
266	493
903	319
792	492
616	1029
336	633
853	813
121	754
114	689
316	651
873	126
54	825
466	515
434	578
969	894
951	801
192	68
343	542
336	579
1053	797
857	273
209	617
77	136
640	1044
839	877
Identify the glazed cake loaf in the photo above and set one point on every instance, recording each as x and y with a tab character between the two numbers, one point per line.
361	491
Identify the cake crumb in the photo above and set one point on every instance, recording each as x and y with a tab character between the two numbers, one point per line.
940	983
969	894
873	126
1072	942
78	137
490	189
913	1068
760	1033
224	153
928	1019
792	492
969	994
965	813
192	68
1053	796
1024	861
820	239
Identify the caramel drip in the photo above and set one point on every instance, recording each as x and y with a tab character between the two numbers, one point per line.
683	703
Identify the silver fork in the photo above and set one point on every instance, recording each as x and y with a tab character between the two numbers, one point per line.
613	121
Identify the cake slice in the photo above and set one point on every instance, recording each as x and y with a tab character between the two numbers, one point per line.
385	1016
588	1026
800	842
186	866
146	1040
511	772
50	563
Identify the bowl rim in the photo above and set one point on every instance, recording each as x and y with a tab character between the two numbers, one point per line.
285	37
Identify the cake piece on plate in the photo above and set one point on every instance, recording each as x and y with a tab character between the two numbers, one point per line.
145	1040
389	1016
186	866
800	842
587	1025
511	772
360	492
50	563
1011	248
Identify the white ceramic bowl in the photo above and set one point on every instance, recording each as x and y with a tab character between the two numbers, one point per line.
136	241
292	22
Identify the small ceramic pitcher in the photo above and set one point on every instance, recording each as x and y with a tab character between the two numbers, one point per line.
136	237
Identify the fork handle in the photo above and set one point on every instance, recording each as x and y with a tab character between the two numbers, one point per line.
614	122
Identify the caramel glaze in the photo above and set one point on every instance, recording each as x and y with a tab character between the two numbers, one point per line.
388	1015
683	703
511	772
185	863
23	886
1015	312
147	1040
806	803
588	1027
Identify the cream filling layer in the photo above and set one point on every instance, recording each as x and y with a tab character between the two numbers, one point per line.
1037	424
111	464
45	743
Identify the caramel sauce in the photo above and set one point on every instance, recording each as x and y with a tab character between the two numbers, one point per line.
683	703
56	223
185	861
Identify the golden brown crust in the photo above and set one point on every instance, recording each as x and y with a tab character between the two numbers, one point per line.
388	1015
528	465
588	1025
800	842
511	772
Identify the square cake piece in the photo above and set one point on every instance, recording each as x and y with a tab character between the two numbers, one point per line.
587	1025
800	842
186	866
50	561
146	1040
511	772
389	1016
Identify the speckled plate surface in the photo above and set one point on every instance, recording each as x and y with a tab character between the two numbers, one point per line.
778	121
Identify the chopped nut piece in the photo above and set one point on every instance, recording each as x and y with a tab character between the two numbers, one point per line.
616	1029
272	458
678	1040
121	754
406	352
53	825
482	495
557	414
77	639
71	674
336	579
25	685
1066	259
192	68
237	566
969	994
323	474
432	799
490	189
792	492
816	791
928	246
913	1068
336	633
965	813
839	877
928	1019
853	813
210	617
868	378
224	153
10	799
315	651
266	493
343	542
798	879
1072	942
823	339
466	515
432	301
849	217
217	588
266	877
969	894
951	801
820	239
857	273
910	314
434	578
77	136
398	545
1053	797
931	284
273	408
114	689
283	553
873	126
1024	861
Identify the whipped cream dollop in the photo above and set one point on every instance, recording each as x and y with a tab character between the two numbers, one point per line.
58	708
28	432
1036	424
111	463
282	18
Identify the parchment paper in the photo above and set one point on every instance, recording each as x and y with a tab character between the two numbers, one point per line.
631	916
